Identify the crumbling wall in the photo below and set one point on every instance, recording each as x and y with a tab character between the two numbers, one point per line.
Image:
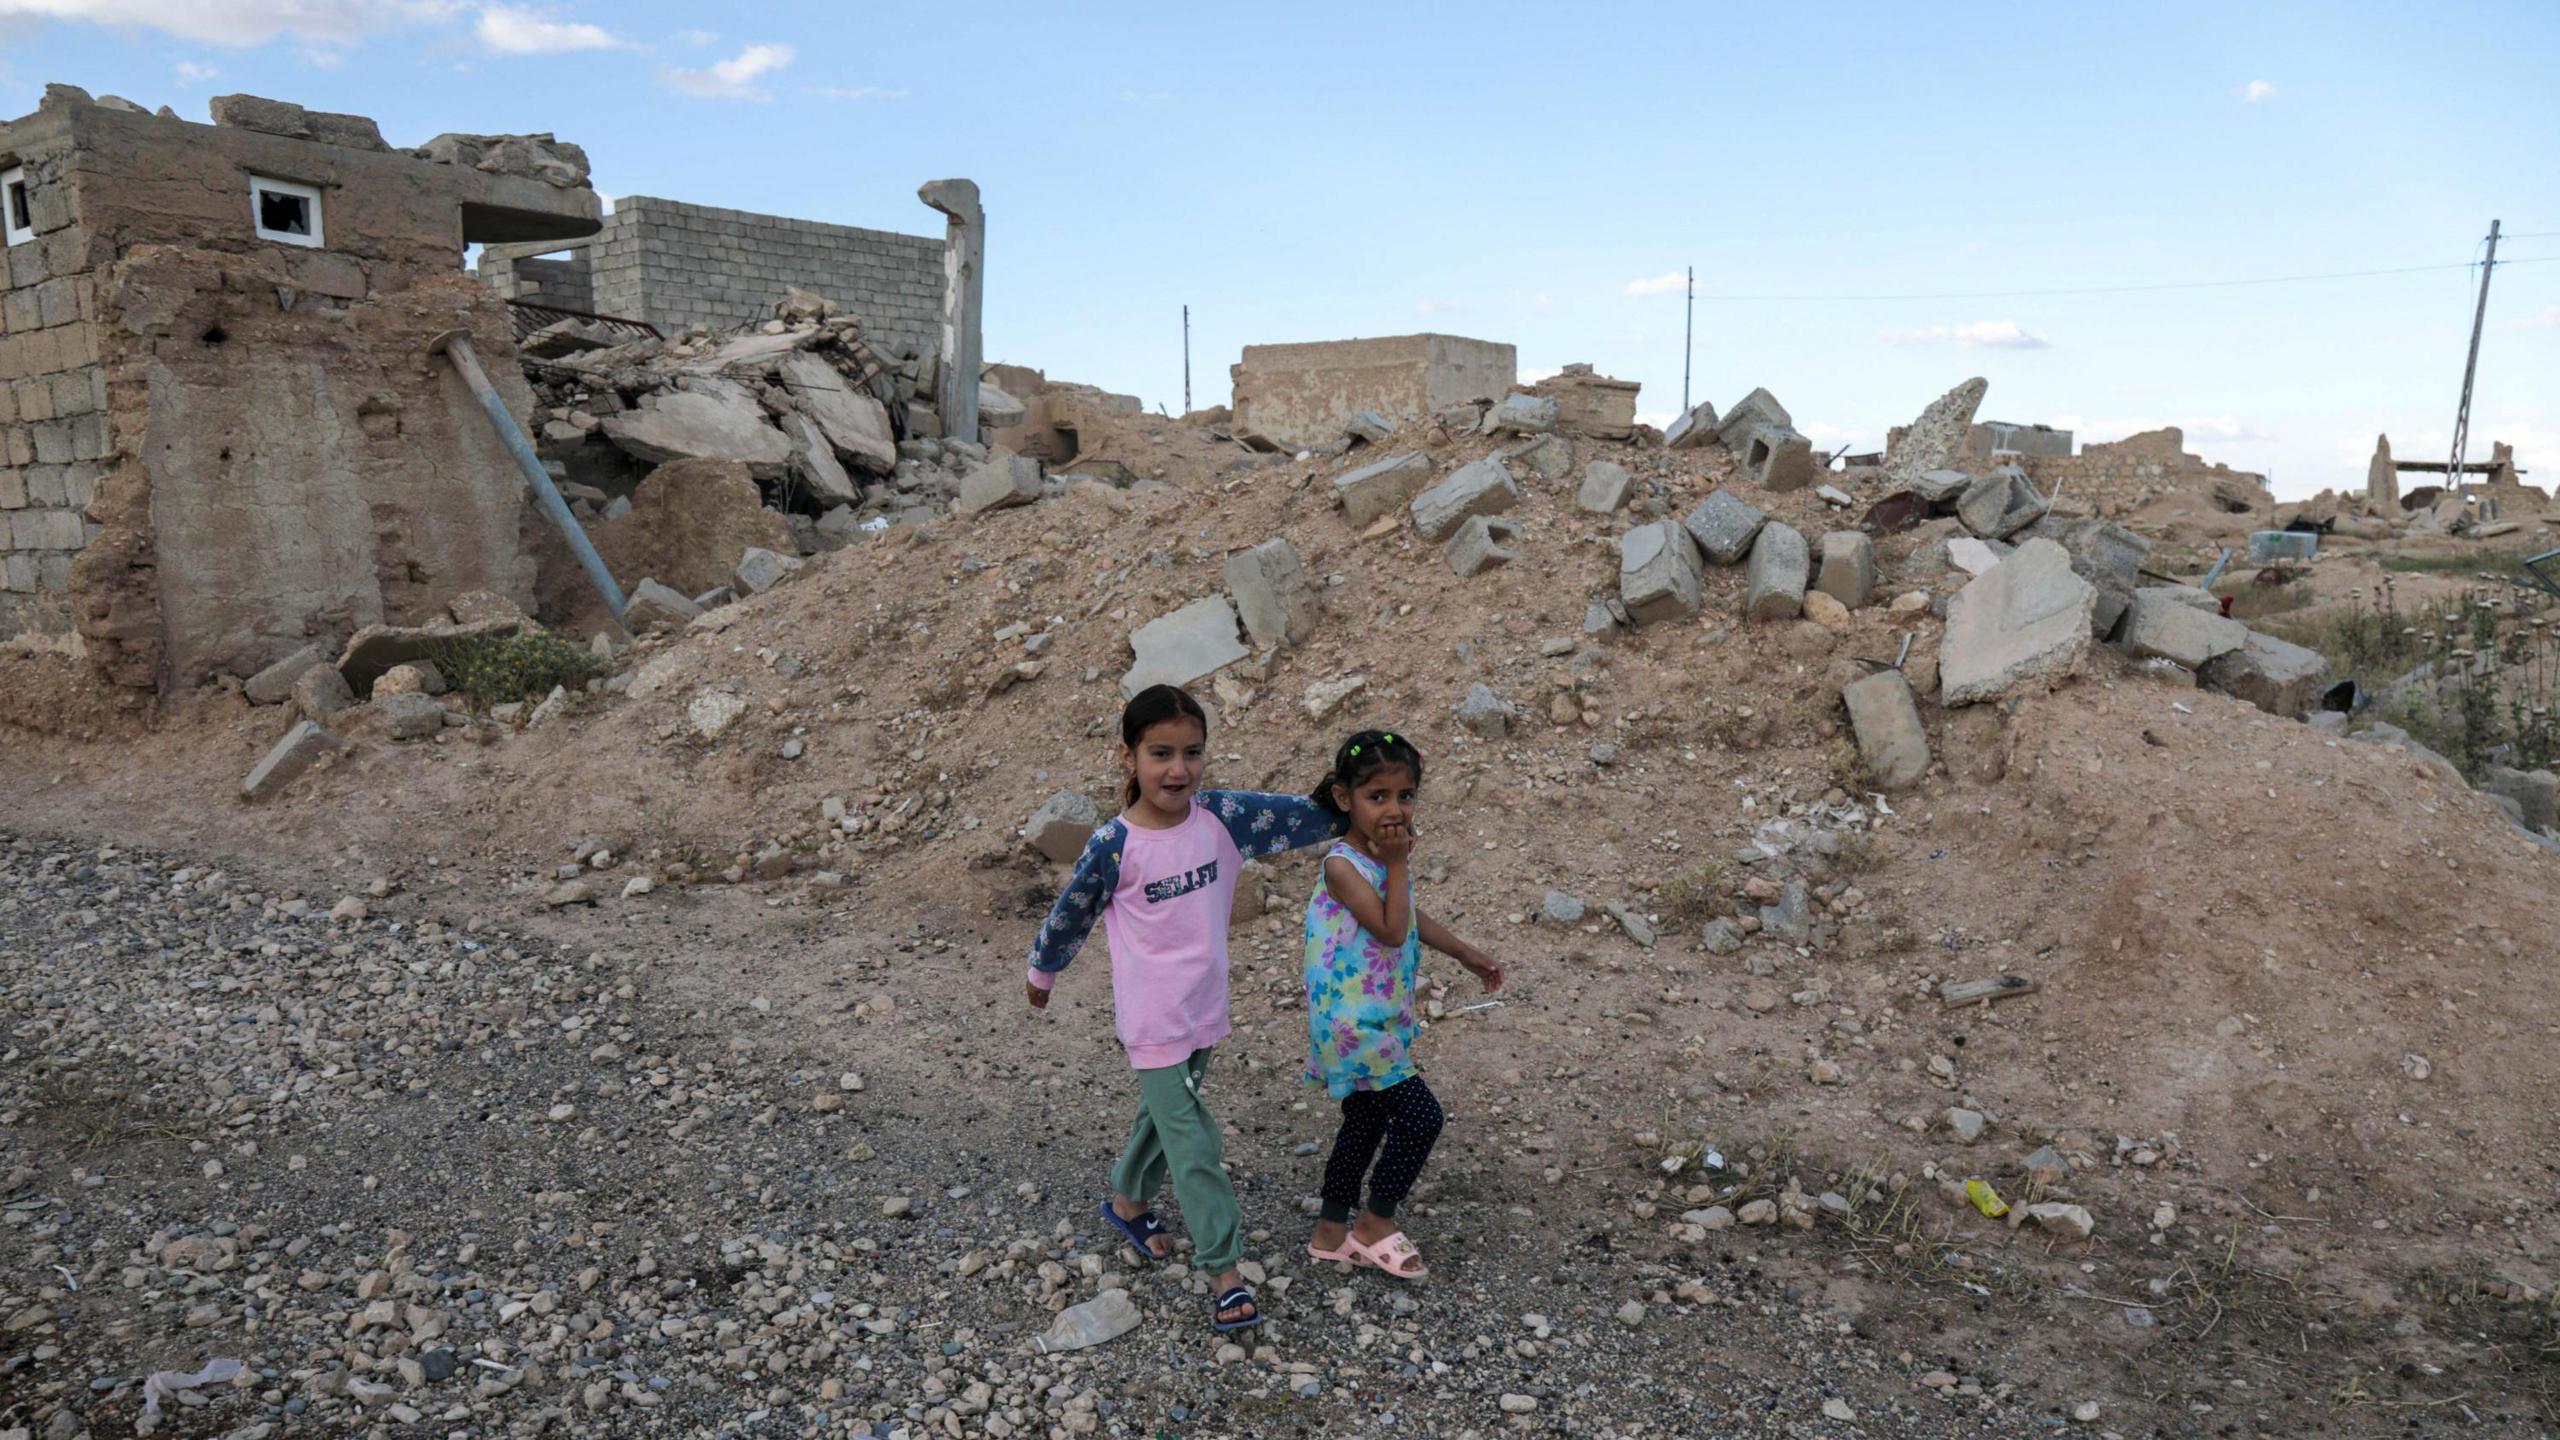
1988	438
677	265
2138	469
52	395
1302	394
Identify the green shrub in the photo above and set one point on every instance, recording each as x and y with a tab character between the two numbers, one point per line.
512	669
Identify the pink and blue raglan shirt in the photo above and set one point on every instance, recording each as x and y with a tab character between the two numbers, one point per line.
1165	898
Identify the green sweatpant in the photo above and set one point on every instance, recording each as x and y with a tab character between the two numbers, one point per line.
1175	1134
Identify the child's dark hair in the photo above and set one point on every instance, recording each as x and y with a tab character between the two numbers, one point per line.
1362	756
1152	707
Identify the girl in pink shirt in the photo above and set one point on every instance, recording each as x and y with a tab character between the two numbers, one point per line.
1161	877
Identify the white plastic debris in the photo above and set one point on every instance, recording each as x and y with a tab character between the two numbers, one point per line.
165	1384
1106	1316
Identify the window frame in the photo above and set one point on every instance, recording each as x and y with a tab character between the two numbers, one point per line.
15	177
260	186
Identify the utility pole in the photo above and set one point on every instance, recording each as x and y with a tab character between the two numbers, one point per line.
2471	367
1186	359
1688	338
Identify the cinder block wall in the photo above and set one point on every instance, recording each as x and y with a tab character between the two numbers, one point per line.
563	282
53	404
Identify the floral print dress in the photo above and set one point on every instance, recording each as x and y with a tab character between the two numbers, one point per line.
1360	1019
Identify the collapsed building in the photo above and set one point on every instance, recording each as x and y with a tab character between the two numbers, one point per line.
225	432
1291	396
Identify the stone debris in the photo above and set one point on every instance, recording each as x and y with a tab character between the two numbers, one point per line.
2069	1221
1006	479
274	685
2534	793
1693	429
1189	644
1482	488
2277	676
1523	415
1658	573
1999	505
299	750
2162	623
759	570
418	677
710	420
1273	596
1975	557
1484	712
321	692
1379	488
1937	439
1369	427
1966	1125
1588	403
1549	456
1723	527
651	603
1062	825
2110	557
1779	564
1605	488
1559	908
1892	742
710	713
409	716
2024	622
1323	697
1478	545
1847	567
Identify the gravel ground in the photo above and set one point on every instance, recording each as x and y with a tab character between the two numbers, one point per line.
423	1178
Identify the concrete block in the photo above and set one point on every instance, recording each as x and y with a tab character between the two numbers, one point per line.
759	569
651	603
1478	545
1847	571
274	685
300	749
13	491
1524	414
1484	712
2159	624
1548	455
1272	594
1723	527
1605	487
1062	825
1375	489
1005	480
714	420
2535	793
1999	505
1197	640
1774	589
1757	408
1658	573
2025	622
2277	676
1693	429
409	716
321	692
1483	488
1778	458
813	459
2110	557
1369	426
1975	557
18	572
1892	742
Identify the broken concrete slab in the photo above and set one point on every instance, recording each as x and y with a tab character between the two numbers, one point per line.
1548	455
274	685
409	717
1936	439
1375	489
1605	487
1723	527
1369	427
320	693
1658	573
813	461
2110	557
1323	697
1693	429
1478	545
1197	640
1941	488
1757	408
1523	414
1777	457
1589	403
2026	622
760	569
1974	557
1774	589
1892	742
1482	488
2535	793
1062	825
1847	567
376	648
855	422
1484	712
1005	480
998	410
651	603
299	750
2277	676
1273	596
709	420
2159	625
2000	505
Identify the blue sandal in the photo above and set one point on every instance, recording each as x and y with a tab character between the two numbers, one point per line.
1139	1231
1237	1298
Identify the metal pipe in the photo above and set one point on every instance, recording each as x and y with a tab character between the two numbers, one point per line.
456	346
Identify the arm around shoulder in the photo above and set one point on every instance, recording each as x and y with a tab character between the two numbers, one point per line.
1262	823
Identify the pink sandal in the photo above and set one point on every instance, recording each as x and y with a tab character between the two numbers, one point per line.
1340	1254
1393	1257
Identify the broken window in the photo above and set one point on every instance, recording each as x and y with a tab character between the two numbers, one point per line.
284	211
13	205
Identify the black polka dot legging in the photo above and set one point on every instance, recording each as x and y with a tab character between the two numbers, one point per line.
1406	1117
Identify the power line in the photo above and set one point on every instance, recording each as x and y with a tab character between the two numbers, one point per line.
2141	289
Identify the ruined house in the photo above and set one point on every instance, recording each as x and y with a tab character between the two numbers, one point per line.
1303	394
226	438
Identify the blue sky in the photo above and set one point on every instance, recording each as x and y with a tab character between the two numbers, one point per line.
1520	172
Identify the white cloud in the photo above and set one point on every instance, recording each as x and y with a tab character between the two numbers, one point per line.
1671	284
694	38
513	31
1974	334
731	79
191	73
1830	439
2223	430
857	92
241	22
2255	91
2549	319
1438	307
1655	418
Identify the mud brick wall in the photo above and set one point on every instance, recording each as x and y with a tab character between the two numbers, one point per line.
2108	479
53	408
